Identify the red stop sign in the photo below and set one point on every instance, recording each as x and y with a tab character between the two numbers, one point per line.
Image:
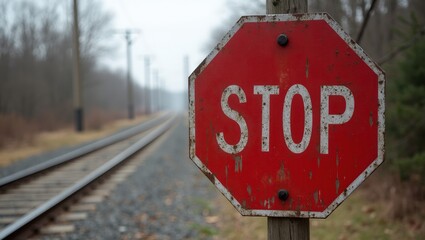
287	104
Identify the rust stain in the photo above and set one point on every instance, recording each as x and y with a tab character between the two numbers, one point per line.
281	172
191	148
337	185
307	66
348	53
226	171
267	203
298	210
261	18
298	16
210	176
337	159
370	119
238	163
249	190
282	77
199	69
316	197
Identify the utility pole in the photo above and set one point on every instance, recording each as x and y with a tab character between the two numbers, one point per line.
155	89
130	93
185	70
186	76
130	102
286	6
161	94
78	86
280	228
147	87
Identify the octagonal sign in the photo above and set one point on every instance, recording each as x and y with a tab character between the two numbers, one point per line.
286	115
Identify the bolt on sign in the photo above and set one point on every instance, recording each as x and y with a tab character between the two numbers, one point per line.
286	115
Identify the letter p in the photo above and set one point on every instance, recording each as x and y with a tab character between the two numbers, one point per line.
326	119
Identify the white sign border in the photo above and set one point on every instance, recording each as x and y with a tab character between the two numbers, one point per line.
381	114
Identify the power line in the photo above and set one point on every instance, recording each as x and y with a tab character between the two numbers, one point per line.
147	87
122	5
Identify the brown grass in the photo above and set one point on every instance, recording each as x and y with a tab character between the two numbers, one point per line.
96	119
47	141
13	129
233	226
366	214
402	202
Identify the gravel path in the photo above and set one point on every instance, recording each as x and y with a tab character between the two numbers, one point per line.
166	198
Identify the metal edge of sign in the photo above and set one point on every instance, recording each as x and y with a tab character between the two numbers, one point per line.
193	76
381	114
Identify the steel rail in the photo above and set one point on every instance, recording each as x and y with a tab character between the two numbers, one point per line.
25	221
91	147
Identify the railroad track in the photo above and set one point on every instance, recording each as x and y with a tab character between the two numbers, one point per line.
31	198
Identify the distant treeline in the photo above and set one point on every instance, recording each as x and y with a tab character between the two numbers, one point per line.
36	78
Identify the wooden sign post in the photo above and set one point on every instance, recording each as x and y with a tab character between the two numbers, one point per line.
283	228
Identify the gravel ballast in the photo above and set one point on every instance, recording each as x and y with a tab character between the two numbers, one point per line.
167	197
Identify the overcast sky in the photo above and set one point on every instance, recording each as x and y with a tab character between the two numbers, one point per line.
169	30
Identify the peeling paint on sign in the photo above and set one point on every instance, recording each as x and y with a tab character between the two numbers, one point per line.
307	117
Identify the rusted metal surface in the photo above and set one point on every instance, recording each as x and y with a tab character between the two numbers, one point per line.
306	116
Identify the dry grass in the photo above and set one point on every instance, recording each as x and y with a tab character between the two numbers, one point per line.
359	217
14	128
47	141
232	226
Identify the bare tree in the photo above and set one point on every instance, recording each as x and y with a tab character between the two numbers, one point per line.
35	60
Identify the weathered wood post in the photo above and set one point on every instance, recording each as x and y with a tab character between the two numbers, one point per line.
286	6
279	228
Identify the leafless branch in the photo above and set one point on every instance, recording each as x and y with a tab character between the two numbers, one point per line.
365	21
